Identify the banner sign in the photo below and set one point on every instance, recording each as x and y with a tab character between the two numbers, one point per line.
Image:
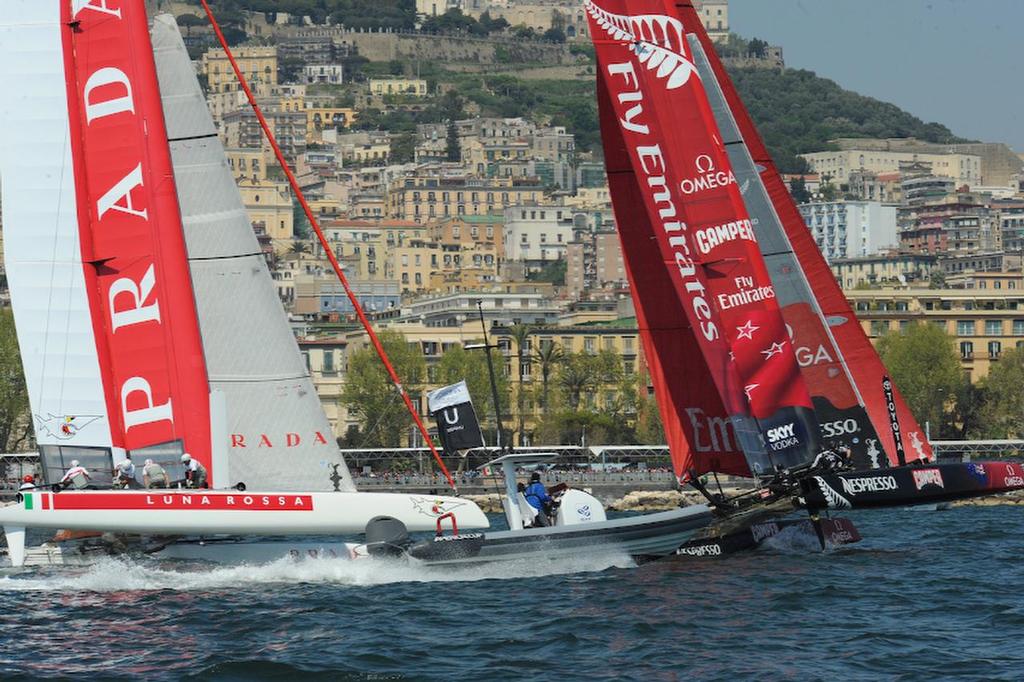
894	420
457	425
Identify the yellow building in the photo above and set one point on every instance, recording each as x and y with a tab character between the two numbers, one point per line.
984	323
424	198
414	87
325	359
838	165
901	268
270	208
319	117
258	63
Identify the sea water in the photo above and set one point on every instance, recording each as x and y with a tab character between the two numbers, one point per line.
925	596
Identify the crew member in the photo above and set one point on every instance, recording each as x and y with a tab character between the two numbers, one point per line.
537	495
124	473
195	473
28	482
154	475
77	477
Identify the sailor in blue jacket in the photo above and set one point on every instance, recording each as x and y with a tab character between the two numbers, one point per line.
537	495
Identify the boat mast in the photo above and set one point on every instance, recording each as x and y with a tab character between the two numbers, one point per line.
374	340
494	383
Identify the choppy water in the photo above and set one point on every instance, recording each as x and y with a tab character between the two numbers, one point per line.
926	595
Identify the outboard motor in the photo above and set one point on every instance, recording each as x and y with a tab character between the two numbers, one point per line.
386	537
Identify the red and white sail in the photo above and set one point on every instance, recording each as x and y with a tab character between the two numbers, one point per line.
141	331
707	310
93	235
842	369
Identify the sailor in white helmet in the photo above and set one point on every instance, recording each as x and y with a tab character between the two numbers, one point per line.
195	473
124	473
77	476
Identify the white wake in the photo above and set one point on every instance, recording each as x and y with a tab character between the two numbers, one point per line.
127	575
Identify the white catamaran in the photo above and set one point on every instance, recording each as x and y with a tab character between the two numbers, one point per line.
146	315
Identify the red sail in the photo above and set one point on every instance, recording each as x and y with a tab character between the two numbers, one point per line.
702	238
836	357
132	244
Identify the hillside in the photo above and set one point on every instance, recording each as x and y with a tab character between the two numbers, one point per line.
796	112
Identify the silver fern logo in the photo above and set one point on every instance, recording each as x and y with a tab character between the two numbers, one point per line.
834	499
658	41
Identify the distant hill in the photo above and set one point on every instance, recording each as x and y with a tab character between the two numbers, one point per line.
797	112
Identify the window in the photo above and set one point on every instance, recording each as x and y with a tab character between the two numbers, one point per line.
609	343
994	349
965	327
966	350
1018	327
589	344
627	344
879	327
993	327
328	361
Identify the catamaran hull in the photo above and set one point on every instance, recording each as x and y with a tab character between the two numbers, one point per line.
911	485
642	537
225	551
176	512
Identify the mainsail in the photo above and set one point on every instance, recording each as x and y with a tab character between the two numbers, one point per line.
277	432
845	375
99	281
679	143
144	327
694	245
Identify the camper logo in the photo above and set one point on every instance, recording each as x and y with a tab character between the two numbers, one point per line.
658	41
928	477
62	427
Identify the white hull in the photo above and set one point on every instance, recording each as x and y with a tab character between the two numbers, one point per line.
209	512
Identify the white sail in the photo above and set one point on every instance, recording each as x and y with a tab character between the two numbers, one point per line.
42	250
277	434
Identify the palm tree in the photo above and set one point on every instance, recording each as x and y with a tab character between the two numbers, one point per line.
520	334
299	246
547	355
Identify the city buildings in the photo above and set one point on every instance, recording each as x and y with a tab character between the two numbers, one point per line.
848	229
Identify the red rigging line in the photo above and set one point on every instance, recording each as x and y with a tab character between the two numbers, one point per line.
377	346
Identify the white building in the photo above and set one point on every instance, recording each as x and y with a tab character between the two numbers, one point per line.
851	229
322	73
536	234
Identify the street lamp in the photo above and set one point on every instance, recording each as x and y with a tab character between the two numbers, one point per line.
486	346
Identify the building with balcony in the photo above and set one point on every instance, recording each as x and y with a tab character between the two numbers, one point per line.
851	229
984	323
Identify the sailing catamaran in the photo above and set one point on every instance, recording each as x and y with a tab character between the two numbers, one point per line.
145	312
757	361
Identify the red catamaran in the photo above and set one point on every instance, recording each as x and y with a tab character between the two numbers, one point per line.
756	358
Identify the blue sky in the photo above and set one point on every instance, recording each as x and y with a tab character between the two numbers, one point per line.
957	62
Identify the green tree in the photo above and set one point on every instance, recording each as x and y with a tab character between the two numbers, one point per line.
15	415
452	147
798	188
548	356
458	364
758	48
582	374
924	364
403	148
1003	412
520	335
370	395
937	279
